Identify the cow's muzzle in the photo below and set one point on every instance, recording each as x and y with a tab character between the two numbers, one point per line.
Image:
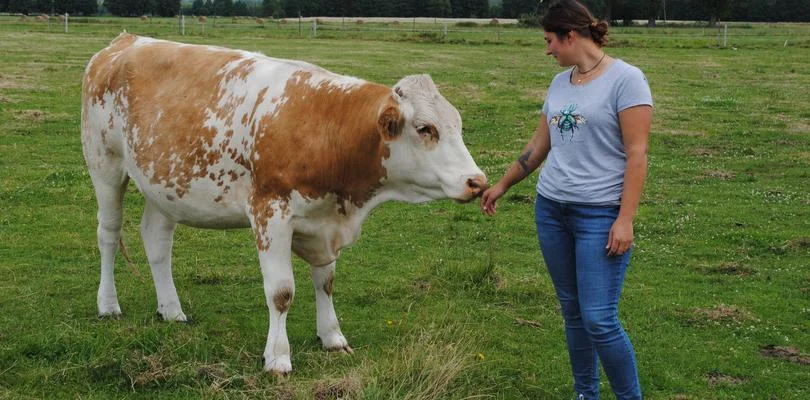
475	187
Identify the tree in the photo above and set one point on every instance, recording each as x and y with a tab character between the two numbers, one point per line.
717	9
240	8
516	8
196	7
438	8
272	8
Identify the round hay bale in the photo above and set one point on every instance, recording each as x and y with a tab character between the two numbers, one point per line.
494	21
260	21
203	19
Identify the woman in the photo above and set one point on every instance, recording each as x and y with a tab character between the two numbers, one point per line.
593	134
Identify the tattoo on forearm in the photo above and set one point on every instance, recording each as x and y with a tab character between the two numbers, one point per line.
524	161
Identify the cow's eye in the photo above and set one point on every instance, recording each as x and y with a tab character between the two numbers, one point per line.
428	132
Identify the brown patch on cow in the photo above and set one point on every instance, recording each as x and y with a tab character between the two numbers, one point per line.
170	91
718	379
169	197
262	211
791	354
282	299
325	140
327	287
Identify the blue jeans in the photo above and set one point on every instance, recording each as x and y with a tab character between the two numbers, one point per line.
588	284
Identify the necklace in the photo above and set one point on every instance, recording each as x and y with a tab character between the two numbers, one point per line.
583	73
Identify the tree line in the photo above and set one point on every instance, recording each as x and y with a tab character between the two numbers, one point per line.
615	11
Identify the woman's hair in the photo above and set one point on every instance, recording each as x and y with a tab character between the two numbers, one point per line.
570	15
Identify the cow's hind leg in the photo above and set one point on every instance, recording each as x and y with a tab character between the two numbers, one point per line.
327	322
110	185
157	232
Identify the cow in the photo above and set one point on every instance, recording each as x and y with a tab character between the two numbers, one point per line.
219	138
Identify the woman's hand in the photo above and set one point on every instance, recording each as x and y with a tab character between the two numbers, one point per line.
620	238
489	200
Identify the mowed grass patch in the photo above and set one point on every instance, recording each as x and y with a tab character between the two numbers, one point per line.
437	300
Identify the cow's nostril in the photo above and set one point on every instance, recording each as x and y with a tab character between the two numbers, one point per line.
477	184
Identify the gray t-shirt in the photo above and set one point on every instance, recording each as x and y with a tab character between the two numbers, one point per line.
587	161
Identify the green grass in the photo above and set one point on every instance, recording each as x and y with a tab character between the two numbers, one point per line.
434	298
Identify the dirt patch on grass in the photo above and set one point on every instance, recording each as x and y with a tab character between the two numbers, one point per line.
719	174
14	82
537	95
422	285
498	153
30	116
788	353
718	379
703	152
350	387
793	245
681	132
721	313
147	371
730	268
799	127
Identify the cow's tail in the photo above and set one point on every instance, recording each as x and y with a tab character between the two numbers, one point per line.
132	265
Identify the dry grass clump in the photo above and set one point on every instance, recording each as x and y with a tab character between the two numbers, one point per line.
721	314
426	368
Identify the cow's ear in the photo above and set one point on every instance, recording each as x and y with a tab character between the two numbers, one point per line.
391	122
398	91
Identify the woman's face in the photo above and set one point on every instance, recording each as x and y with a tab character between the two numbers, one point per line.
559	48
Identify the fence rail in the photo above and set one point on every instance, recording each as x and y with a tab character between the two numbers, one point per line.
733	35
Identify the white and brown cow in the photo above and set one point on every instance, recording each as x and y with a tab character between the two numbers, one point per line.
218	138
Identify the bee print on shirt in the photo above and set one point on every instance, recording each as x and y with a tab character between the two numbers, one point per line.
567	122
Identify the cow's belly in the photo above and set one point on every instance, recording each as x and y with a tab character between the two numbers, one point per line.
203	204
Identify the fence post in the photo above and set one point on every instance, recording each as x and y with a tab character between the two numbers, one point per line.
445	31
66	22
725	35
182	25
314	28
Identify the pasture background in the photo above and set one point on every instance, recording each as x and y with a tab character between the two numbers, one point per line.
437	300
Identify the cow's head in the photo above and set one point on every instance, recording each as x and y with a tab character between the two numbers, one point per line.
428	159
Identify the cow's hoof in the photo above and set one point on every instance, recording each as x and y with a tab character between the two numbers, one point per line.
174	317
109	311
345	349
336	342
280	366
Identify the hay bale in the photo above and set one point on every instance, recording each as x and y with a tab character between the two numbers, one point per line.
43	17
144	18
494	21
260	21
203	19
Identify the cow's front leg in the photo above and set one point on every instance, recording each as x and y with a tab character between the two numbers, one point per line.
273	240
328	325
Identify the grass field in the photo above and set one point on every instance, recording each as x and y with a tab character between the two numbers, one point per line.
438	301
